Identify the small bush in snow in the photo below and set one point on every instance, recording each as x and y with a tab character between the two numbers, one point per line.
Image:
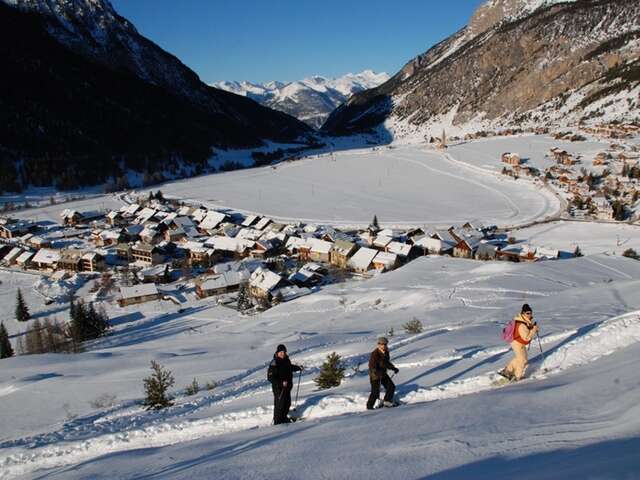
331	372
211	385
413	326
105	400
631	253
193	388
156	386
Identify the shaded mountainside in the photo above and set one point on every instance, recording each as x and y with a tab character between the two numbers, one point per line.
310	100
565	62
83	102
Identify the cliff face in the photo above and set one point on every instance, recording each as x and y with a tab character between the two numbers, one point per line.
557	63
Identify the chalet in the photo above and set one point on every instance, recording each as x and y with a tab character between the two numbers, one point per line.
131	210
320	250
435	246
307	276
202	256
115	218
39	242
340	253
132	232
199	214
263	281
385	261
222	283
466	248
381	242
543	253
211	221
145	292
361	261
262	223
71	217
150	235
11	257
145	215
146	254
155	274
15	228
294	244
46	259
70	260
24	259
404	251
249	220
486	251
230	246
92	262
123	251
510	158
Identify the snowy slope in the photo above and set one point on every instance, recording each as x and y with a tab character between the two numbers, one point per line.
455	419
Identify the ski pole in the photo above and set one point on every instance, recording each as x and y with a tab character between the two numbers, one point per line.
295	404
541	352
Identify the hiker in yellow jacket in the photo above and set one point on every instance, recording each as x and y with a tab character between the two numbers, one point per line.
525	331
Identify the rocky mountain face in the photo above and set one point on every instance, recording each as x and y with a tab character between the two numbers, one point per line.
517	63
310	100
84	97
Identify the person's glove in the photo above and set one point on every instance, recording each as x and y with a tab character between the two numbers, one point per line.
396	370
284	384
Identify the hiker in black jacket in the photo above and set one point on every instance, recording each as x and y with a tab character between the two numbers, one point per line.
280	374
379	363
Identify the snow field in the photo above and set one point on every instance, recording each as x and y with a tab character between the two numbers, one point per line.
463	304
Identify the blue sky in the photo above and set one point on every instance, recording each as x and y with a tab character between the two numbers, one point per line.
289	40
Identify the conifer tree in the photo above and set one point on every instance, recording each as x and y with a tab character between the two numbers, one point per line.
35	339
6	350
22	311
331	372
156	386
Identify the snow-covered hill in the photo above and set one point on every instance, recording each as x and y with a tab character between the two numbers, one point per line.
311	99
578	406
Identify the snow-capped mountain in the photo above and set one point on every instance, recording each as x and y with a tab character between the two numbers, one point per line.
311	99
519	63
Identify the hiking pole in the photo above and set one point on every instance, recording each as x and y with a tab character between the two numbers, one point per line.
295	404
541	352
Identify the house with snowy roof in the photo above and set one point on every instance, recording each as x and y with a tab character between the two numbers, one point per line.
263	281
340	253
433	245
225	282
385	261
144	292
211	221
362	260
46	259
262	223
249	220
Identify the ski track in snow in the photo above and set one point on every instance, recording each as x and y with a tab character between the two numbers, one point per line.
602	339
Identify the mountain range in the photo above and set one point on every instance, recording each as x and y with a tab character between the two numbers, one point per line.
518	63
310	100
85	98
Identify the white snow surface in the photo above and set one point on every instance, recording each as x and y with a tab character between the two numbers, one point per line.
578	408
403	185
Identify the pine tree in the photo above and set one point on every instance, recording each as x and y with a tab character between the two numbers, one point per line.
374	224
6	350
331	372
244	300
35	339
156	386
22	311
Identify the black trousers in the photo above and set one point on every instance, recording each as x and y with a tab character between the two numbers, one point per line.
389	388
281	405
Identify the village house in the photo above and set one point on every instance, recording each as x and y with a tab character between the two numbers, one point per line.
486	251
319	250
404	251
46	259
116	218
250	220
24	258
510	158
11	257
381	242
262	223
11	228
237	247
145	292
156	274
385	261
39	242
466	248
70	260
92	262
146	254
222	283
340	253
362	260
433	245
211	221
263	281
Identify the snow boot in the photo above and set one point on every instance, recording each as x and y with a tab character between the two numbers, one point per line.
508	375
389	404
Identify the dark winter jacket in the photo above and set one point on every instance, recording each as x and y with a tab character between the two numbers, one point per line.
281	370
379	363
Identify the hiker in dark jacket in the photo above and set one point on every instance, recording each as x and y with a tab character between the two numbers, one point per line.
280	375
379	363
